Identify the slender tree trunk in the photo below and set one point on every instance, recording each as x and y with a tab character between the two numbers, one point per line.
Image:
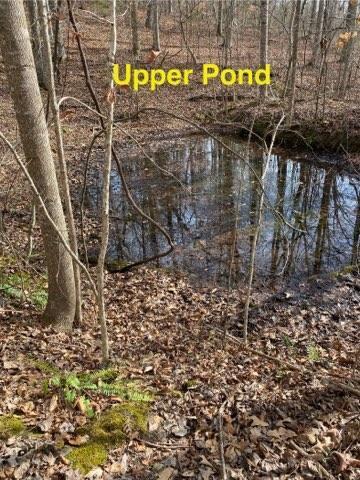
318	32
264	15
323	221
134	30
183	34
229	20
19	64
294	58
356	236
156	29
149	22
32	224
106	195
345	59
37	45
59	53
62	174
290	49
219	29
255	237
312	18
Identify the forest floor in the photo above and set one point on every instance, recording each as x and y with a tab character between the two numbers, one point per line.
286	406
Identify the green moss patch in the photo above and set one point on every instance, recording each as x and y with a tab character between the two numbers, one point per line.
87	457
10	426
114	425
108	431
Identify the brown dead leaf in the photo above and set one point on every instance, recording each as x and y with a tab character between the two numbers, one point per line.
53	403
77	440
281	433
258	422
120	467
167	473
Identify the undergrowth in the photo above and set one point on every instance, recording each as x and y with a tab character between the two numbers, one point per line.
76	387
22	285
10	426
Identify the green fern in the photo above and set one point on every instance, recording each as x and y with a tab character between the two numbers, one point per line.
313	353
74	387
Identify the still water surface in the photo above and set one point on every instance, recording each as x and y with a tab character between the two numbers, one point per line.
211	214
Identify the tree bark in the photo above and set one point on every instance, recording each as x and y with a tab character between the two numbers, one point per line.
345	59
62	173
19	64
264	15
156	29
134	30
318	33
294	57
106	196
37	45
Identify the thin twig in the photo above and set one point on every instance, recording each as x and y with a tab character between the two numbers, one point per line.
311	457
165	446
47	215
221	440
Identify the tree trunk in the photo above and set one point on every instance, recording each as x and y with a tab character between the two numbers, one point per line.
19	64
312	18
156	30
149	22
264	9
59	52
294	57
318	33
62	173
106	196
219	29
37	45
345	59
228	27
134	30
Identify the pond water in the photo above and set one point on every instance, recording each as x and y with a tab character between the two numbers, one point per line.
210	211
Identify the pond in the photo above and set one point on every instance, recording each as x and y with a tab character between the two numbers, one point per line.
209	207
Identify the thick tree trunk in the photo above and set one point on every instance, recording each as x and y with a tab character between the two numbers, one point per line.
62	171
19	64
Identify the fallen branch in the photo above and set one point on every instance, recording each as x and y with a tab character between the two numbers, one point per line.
277	360
164	446
290	366
221	441
343	386
311	457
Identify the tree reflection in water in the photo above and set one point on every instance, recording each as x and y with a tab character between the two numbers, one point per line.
212	226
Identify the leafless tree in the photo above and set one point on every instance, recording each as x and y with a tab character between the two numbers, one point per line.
21	72
106	193
62	172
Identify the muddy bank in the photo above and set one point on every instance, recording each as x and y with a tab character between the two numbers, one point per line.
335	132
